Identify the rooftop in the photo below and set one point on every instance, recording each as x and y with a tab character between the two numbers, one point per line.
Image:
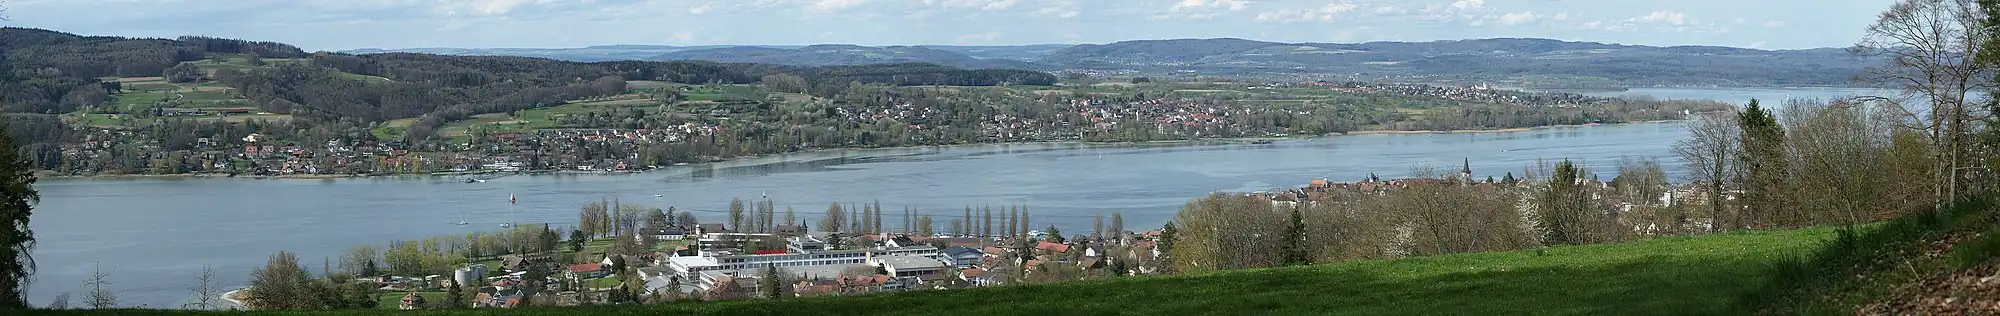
910	262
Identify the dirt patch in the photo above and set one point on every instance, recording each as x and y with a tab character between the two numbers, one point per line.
1974	291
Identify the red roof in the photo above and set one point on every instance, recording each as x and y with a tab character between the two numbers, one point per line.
771	252
585	268
1055	247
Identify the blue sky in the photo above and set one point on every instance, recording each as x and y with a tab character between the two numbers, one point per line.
349	24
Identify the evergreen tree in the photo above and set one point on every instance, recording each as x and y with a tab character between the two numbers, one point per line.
1764	168
1509	179
768	284
17	201
455	294
1293	247
1053	235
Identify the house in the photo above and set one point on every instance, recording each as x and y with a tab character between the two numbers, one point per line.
1052	247
411	301
980	277
586	271
704	229
961	257
790	230
514	263
669	234
907	266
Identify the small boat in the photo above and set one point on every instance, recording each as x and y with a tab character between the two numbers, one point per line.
1263	142
461	223
659	195
505	225
510	198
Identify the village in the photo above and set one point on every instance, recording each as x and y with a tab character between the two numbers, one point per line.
711	263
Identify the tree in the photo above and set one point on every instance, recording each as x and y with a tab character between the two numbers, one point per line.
1509	179
205	290
360	261
987	213
281	284
924	225
17	241
1117	225
1053	235
1293	245
454	295
833	219
1936	51
1024	221
768	284
546	241
685	219
576	240
1097	225
99	297
1561	208
1763	167
791	218
1710	151
736	220
658	220
61	302
182	73
1166	245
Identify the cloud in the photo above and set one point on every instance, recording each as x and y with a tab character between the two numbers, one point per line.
1059	9
1322	14
990	5
1204	5
831	5
1468	5
1518	18
1389	9
703	8
1202	9
979	37
1665	17
1592	25
1560	16
682	36
1774	24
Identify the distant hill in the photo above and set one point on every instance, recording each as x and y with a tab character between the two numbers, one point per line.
1021	53
1499	59
842	55
585	54
1524	62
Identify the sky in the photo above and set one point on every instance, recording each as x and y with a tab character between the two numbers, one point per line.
351	24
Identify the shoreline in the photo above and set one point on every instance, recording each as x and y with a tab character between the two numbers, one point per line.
748	157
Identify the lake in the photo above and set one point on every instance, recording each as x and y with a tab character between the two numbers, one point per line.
155	235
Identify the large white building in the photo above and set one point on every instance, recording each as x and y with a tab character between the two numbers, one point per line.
689	267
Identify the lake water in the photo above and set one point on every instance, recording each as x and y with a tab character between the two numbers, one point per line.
155	235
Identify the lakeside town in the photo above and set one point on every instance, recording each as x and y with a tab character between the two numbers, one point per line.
1088	116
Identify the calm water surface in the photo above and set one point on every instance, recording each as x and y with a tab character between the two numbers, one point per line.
155	235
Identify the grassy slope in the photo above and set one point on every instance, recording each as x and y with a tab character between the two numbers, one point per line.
1682	275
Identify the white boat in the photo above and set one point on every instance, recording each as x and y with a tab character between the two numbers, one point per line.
503	225
659	195
463	223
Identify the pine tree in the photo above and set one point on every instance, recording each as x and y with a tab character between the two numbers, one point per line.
455	295
1509	179
17	201
1293	247
768	284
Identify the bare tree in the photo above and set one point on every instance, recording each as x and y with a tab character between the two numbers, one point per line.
205	291
99	296
60	302
1710	151
1931	51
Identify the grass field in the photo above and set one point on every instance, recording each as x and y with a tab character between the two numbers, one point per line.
1680	275
533	119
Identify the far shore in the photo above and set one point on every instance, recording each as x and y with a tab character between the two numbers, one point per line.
45	175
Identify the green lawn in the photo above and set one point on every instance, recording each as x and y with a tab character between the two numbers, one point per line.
542	118
1678	275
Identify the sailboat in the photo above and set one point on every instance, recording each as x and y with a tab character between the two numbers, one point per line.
510	210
